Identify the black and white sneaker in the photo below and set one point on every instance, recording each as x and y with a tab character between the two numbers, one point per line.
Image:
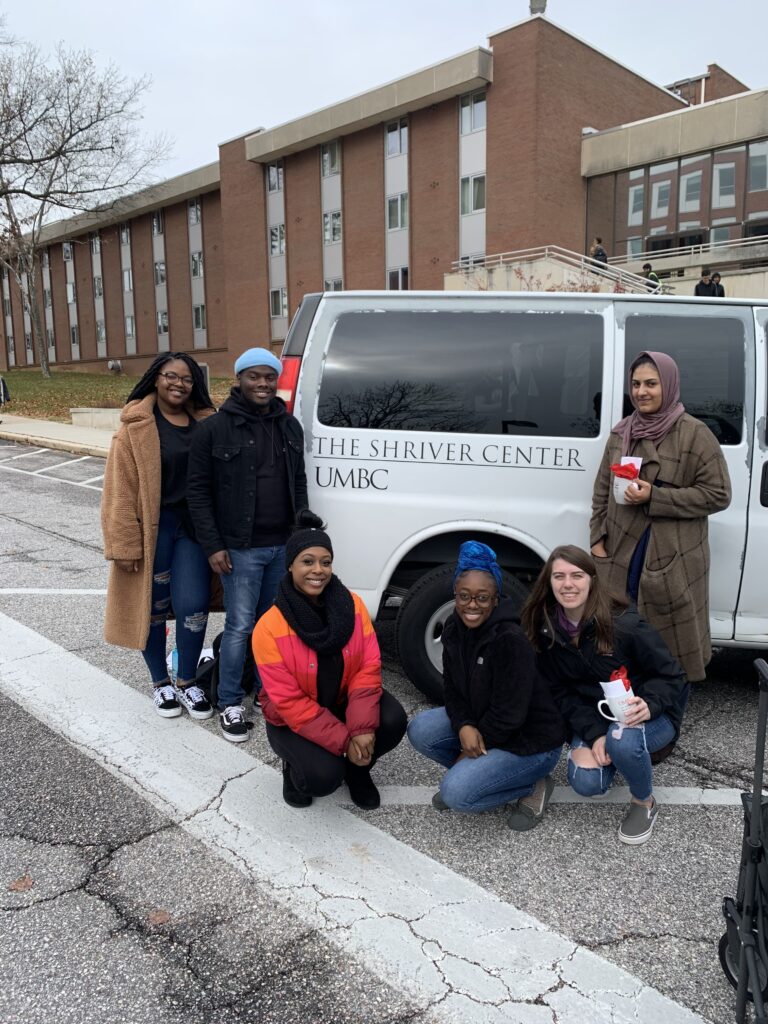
234	727
166	704
194	700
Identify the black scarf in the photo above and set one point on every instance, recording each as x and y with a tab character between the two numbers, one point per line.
323	635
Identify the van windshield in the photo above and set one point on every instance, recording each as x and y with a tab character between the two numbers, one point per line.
474	372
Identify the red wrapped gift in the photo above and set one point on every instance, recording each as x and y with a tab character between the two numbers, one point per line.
621	672
628	472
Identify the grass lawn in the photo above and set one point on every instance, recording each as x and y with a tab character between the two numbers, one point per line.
52	399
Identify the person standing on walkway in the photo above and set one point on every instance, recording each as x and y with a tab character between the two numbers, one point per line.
246	486
500	734
719	290
706	288
597	252
158	568
651	276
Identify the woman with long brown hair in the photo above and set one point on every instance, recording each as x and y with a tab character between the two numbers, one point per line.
583	635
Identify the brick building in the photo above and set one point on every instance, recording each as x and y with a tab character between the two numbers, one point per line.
477	154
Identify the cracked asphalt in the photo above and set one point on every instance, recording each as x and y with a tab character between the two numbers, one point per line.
117	908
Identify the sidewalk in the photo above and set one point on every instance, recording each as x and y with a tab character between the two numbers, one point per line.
59	436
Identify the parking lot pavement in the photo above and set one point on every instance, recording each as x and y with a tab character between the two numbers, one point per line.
652	911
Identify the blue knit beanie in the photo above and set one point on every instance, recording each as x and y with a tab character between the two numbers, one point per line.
257	357
474	556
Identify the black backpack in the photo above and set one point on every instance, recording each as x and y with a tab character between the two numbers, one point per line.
207	677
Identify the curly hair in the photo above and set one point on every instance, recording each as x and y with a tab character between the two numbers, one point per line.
199	397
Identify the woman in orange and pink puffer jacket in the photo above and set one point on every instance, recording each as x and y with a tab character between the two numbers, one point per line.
326	713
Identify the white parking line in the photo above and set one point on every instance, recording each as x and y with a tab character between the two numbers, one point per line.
24	455
459	952
92	480
59	465
51	591
58	479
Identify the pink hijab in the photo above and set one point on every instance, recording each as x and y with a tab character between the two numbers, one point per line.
657	425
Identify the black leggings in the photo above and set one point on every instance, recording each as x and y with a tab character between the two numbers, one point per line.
318	772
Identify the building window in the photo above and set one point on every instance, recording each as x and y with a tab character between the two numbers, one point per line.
194	211
158	222
101	332
331	227
690	192
277	240
660	198
720	234
724	186
95	243
333	284
330	158
74	334
162	321
10	344
46	260
7	305
634	246
47	299
127	280
130	327
758	167
50	337
473	194
28	342
278	302
472	107
397	211
98	287
70	292
397	280
125	233
635	204
397	137
275	176
160	272
198	317
197	264
66	251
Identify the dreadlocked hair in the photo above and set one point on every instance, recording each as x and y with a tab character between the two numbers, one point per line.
198	398
540	611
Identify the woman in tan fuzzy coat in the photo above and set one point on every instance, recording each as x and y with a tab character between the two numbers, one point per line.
655	547
158	569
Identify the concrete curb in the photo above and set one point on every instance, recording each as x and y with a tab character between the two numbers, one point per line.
55	444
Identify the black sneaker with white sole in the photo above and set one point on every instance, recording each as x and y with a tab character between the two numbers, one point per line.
166	704
233	724
194	700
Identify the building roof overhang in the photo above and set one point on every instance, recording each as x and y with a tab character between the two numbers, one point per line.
449	78
721	123
164	193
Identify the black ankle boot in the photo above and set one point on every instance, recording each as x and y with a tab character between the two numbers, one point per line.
361	787
291	794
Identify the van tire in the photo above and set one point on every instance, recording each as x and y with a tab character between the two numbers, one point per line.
419	625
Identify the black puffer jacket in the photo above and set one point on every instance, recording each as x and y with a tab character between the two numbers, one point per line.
223	478
491	682
575	673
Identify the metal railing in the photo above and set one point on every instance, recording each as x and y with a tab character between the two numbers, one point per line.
710	249
624	280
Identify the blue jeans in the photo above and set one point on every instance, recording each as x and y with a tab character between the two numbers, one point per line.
181	578
249	590
479	783
630	753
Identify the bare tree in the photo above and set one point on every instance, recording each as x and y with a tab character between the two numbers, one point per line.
70	140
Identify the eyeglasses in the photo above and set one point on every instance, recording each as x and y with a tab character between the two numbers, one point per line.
174	378
481	600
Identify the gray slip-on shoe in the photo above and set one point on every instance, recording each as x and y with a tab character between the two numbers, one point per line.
638	823
528	812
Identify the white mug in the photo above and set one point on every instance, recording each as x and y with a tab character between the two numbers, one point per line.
618	707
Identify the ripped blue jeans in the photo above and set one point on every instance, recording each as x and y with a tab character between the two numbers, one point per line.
630	753
181	577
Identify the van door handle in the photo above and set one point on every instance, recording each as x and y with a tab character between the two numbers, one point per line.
764	486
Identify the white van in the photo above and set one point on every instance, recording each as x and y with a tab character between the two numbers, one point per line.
434	417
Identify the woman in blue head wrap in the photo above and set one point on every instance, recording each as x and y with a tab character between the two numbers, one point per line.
500	734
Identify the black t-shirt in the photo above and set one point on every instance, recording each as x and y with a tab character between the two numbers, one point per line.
174	456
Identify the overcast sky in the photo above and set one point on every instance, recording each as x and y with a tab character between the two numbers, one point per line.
221	68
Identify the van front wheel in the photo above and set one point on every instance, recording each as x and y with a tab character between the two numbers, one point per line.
419	626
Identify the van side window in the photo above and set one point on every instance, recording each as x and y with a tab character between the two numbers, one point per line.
536	374
710	353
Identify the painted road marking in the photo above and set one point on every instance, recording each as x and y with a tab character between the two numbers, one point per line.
59	465
458	951
24	455
58	479
51	592
92	480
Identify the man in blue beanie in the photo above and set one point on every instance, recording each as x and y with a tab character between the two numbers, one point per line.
246	484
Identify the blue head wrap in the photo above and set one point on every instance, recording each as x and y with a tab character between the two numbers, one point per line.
478	557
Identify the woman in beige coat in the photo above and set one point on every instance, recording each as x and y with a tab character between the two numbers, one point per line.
655	548
158	569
